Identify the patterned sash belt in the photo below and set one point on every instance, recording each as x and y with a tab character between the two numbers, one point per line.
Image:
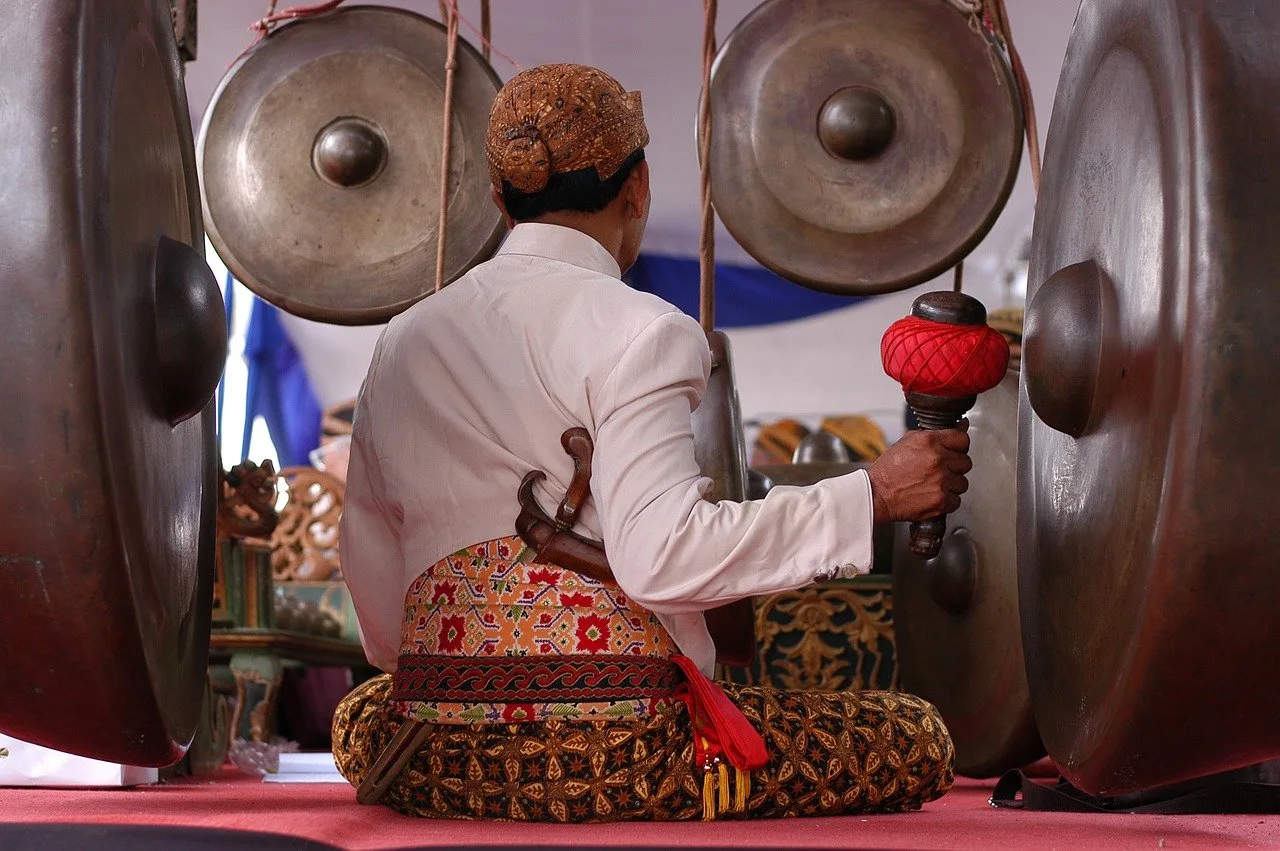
533	679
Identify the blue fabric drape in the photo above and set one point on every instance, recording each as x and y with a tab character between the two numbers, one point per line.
745	296
229	303
278	389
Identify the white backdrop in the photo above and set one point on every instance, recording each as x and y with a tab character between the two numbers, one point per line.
828	363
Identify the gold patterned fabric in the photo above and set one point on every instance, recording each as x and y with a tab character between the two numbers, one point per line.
829	754
831	636
555	119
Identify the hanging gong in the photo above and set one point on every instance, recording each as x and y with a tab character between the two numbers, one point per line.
719	447
956	616
1148	462
320	164
112	344
862	146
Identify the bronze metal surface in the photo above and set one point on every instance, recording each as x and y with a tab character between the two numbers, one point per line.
1148	518
956	615
320	161
719	442
185	18
114	338
861	146
822	447
719	446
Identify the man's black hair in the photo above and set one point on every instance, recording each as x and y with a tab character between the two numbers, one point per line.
579	191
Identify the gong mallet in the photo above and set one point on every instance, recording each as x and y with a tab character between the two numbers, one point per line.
944	355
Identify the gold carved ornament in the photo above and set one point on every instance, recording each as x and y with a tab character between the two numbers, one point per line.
831	637
304	546
247	502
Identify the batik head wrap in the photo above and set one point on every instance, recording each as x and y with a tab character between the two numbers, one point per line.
554	119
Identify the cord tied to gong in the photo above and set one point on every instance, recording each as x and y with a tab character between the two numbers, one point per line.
944	354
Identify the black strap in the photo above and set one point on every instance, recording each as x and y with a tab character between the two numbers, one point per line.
1017	791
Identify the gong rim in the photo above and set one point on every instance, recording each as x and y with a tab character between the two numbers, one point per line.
108	528
1150	226
965	655
763	167
342	281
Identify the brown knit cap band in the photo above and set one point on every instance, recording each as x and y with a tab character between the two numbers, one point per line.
554	119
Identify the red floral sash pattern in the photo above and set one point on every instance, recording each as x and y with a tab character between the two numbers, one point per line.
492	602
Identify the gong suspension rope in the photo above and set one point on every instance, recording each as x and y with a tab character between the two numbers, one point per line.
268	22
999	17
272	18
450	8
484	33
707	237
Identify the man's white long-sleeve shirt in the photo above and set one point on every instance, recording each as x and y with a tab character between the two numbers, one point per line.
471	389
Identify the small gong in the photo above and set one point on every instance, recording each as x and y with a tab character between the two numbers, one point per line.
862	146
320	164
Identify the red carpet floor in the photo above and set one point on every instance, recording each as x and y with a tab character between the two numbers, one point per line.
329	813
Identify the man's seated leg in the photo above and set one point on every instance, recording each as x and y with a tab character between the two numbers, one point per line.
830	754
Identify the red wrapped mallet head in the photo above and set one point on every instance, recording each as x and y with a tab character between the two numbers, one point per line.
944	354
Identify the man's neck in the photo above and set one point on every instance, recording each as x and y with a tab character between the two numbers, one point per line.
595	225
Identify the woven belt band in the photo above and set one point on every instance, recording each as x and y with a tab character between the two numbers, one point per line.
533	679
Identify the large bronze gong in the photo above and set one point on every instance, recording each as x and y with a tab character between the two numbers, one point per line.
719	446
1148	463
862	146
320	165
113	340
956	620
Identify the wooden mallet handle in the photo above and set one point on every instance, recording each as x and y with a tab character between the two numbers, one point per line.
934	413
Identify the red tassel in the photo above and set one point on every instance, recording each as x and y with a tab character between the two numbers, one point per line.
716	719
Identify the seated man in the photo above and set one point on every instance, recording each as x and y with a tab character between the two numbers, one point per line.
548	695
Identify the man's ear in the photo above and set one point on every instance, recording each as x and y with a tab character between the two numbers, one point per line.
636	190
496	194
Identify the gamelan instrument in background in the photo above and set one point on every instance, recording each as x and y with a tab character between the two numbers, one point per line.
862	146
956	625
1149	523
113	344
320	163
720	447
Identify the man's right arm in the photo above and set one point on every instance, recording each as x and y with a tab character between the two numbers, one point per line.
673	551
670	549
